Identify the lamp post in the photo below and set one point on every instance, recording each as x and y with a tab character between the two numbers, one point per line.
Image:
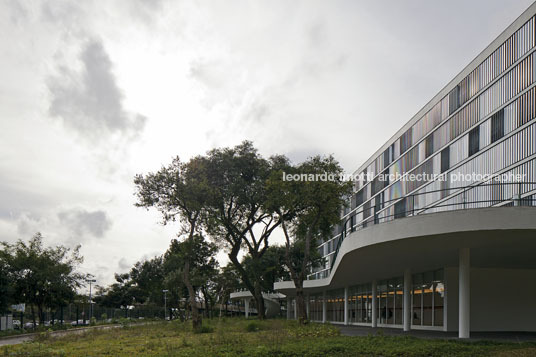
90	301
165	303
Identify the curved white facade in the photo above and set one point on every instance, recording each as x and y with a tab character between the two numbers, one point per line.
432	209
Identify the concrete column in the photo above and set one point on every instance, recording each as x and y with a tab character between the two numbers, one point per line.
295	309
464	318
346	305
289	302
407	300
324	308
246	304
374	304
307	307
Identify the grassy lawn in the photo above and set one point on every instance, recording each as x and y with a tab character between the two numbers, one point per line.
239	337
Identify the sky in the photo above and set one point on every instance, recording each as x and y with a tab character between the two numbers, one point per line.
94	92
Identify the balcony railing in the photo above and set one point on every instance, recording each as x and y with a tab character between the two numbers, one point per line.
447	199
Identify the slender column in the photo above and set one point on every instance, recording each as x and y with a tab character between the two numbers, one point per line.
295	309
465	297
246	304
407	300
289	304
346	305
374	304
324	308
307	307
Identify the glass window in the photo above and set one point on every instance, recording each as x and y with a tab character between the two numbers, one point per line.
428	298
474	141
400	208
497	126
429	146
445	159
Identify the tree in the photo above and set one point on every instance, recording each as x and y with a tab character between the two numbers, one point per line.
44	277
148	278
227	282
269	269
200	255
237	216
307	210
179	192
6	285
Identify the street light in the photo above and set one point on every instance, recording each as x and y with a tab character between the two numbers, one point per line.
165	303
90	301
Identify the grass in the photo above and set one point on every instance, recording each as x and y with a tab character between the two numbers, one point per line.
239	337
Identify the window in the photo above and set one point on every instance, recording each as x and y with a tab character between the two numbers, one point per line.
400	208
359	198
497	126
429	146
428	298
454	99
445	159
474	141
405	140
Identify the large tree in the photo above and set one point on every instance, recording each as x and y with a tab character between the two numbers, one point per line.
307	209
179	192
43	276
237	216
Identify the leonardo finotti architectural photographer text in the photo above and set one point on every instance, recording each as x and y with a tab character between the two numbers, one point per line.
426	177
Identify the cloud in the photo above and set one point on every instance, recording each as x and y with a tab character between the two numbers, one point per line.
81	222
89	101
123	264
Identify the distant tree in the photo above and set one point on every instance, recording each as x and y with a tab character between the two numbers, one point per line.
6	285
237	216
121	294
307	210
180	192
269	269
201	261
226	282
148	278
44	277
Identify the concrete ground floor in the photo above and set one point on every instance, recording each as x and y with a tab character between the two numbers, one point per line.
460	300
512	336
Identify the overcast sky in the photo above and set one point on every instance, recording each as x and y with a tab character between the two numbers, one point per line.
93	92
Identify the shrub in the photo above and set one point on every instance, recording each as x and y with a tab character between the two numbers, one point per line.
253	327
93	321
205	329
104	317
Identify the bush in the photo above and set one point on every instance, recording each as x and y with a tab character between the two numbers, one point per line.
253	327
93	321
205	329
104	317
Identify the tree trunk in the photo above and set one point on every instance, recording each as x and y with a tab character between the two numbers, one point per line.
301	309
297	277
252	289
259	301
33	315
196	318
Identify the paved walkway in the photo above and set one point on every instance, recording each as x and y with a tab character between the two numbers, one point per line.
475	336
16	339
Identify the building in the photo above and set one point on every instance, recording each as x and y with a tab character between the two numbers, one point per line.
451	245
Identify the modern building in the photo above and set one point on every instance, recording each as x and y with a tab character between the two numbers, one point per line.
440	232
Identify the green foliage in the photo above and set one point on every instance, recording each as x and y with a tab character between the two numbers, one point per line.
273	338
205	329
42	276
93	321
253	326
104	316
